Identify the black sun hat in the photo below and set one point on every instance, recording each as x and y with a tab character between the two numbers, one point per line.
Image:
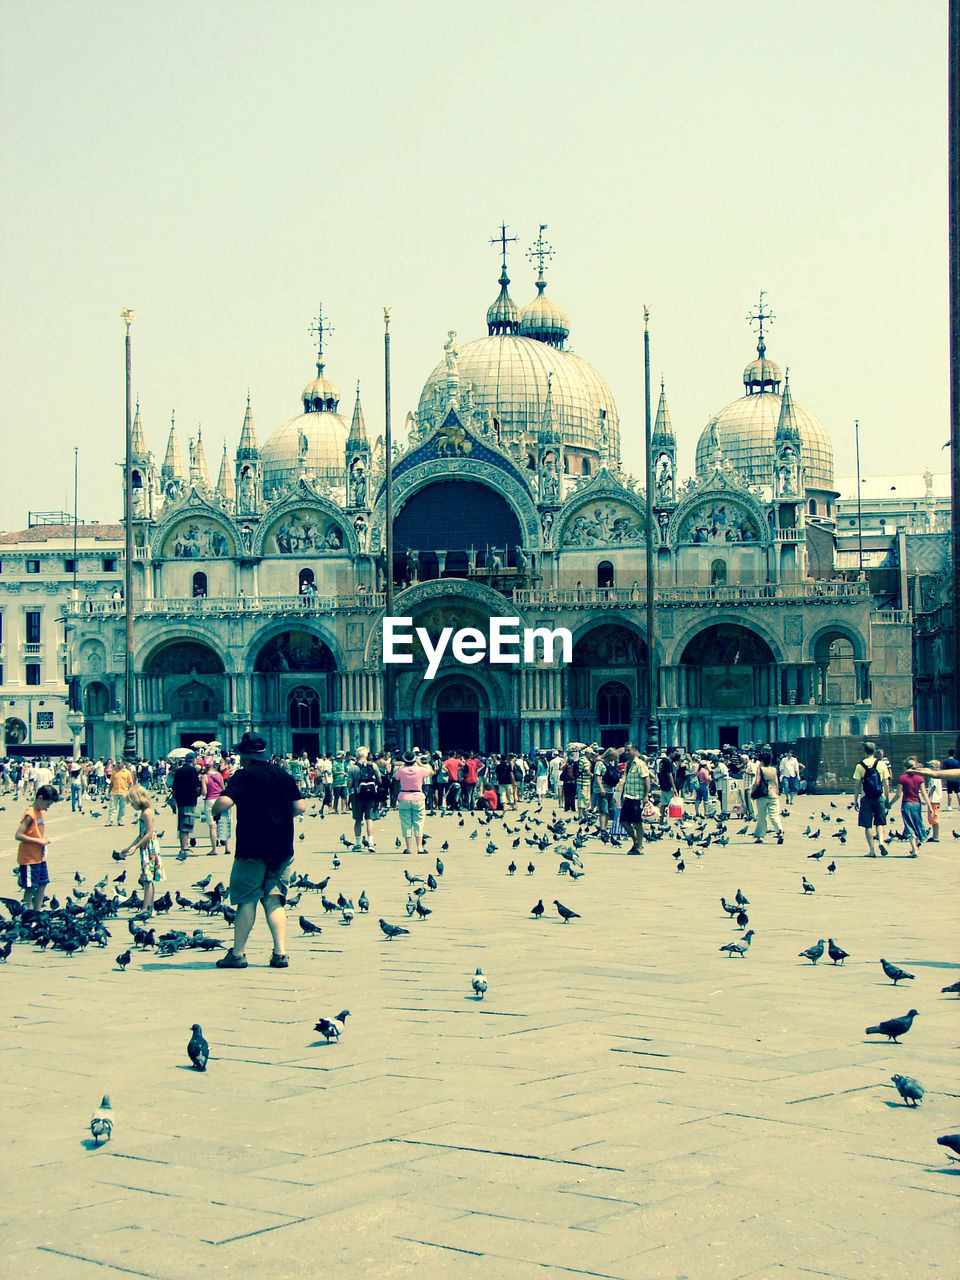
251	745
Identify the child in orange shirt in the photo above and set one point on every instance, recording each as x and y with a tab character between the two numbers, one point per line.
32	872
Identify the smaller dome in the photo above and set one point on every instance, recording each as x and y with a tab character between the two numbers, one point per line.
503	314
544	320
321	395
762	374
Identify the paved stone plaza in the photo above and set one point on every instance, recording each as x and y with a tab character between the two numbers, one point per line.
625	1102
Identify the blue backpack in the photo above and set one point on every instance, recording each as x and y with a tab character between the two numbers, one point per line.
871	782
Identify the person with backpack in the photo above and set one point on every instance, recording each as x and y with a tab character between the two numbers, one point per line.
568	783
363	785
873	775
606	777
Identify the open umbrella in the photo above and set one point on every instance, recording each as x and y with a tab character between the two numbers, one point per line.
178	753
198	746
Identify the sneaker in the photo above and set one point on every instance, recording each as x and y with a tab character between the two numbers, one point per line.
371	848
278	962
357	849
230	961
182	855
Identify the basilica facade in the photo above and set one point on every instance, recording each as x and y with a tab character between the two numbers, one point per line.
259	597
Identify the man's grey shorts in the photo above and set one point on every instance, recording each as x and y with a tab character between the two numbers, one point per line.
252	881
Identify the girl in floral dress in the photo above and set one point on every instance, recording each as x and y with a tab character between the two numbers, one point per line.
151	866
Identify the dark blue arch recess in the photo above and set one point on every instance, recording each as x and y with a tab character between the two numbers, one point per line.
456	516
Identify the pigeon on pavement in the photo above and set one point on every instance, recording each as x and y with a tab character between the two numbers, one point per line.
813	953
807	886
738	948
391	931
893	972
953	989
198	1050
565	912
952	1142
479	984
910	1090
123	959
538	909
893	1027
101	1122
836	954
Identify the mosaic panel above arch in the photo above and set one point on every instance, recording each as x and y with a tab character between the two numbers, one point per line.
719	521
304	530
198	537
603	521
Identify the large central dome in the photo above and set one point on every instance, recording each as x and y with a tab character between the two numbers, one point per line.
510	373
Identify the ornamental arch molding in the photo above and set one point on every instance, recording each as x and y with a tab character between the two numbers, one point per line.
200	634
719	499
835	631
279	627
196	513
301	500
458	591
429	472
727	617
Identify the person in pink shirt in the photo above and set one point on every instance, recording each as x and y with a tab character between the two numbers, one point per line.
212	781
411	801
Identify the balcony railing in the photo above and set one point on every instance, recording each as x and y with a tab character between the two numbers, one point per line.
747	592
32	650
221	606
893	617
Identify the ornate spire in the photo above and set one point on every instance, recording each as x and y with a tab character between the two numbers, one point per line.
549	430
225	485
663	427
759	318
542	319
139	444
172	468
318	328
787	426
199	475
503	315
249	446
358	430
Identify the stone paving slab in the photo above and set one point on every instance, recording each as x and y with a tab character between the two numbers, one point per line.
626	1102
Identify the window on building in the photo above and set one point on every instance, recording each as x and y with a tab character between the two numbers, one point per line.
33	626
586	466
109	564
306	583
33	672
199	584
69	565
1	673
605	574
813	506
718	573
33	566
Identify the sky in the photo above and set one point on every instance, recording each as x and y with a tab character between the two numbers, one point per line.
226	167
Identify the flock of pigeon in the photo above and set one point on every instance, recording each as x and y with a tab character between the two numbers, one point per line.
83	919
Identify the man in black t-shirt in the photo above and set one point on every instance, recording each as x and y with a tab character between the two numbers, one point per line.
186	790
266	798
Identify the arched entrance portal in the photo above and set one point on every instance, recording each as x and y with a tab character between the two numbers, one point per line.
295	692
456	717
457	709
727	687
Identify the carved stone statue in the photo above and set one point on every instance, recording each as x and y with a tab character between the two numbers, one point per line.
358	483
247	489
665	490
787	471
413	565
549	478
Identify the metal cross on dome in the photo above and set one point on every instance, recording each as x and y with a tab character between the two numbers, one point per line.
318	328
503	240
760	316
539	252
